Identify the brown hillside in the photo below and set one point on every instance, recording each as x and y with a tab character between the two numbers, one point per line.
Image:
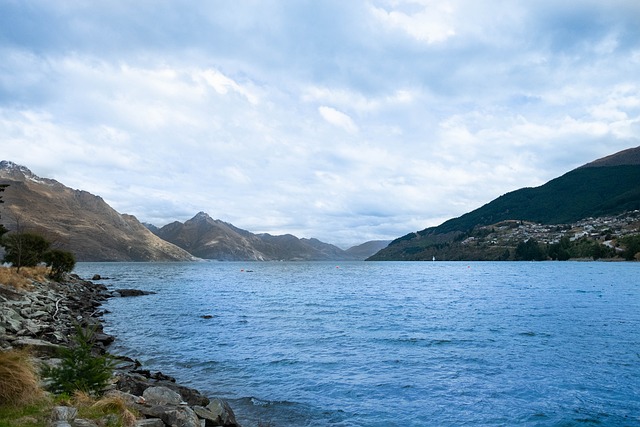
78	221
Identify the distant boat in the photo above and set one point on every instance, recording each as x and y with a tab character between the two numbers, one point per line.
433	259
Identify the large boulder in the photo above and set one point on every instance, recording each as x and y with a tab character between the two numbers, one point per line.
217	413
135	382
181	417
161	396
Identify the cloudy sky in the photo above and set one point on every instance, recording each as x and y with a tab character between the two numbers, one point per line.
342	120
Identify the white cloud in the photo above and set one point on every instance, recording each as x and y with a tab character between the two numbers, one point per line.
338	118
222	84
430	23
243	112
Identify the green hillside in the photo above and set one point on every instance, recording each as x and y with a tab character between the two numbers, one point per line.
582	193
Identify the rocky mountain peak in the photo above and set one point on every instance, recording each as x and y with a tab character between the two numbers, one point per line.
11	170
8	167
200	216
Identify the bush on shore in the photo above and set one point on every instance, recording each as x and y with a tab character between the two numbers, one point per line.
80	370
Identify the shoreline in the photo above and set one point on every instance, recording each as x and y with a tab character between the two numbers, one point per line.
42	318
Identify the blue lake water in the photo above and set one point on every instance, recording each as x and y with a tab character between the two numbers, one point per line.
390	344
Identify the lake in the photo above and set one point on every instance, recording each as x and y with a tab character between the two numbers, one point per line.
294	344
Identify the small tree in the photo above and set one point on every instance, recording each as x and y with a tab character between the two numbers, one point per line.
24	249
60	262
80	369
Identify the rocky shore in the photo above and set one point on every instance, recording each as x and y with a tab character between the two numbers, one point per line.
43	318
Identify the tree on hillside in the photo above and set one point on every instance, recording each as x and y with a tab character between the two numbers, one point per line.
530	250
24	249
631	247
560	251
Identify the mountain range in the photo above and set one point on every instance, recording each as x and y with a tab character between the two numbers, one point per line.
86	225
605	187
210	238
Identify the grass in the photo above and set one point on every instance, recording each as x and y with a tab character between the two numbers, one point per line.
23	280
23	403
35	414
108	411
19	382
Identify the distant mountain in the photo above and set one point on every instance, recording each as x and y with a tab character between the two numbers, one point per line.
608	186
367	249
210	238
78	221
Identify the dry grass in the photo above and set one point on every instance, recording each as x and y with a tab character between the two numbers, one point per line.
23	280
117	405
19	382
90	408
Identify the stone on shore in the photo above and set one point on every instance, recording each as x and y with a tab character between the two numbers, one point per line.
161	396
37	346
130	293
217	413
150	422
64	413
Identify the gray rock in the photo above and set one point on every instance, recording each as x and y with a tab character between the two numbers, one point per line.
217	413
181	417
154	411
64	413
39	314
130	293
60	424
161	396
39	347
128	398
150	422
32	327
12	320
83	423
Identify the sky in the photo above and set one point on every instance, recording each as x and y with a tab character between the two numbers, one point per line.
346	121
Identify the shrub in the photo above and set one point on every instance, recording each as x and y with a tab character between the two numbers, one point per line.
80	369
60	262
19	382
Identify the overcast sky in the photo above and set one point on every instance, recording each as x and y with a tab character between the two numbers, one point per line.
342	120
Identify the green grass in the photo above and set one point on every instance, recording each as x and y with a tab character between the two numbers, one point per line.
35	414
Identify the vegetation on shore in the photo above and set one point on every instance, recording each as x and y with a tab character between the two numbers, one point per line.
26	249
30	388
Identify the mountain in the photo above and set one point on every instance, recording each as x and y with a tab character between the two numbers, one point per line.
210	238
605	187
78	221
367	249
